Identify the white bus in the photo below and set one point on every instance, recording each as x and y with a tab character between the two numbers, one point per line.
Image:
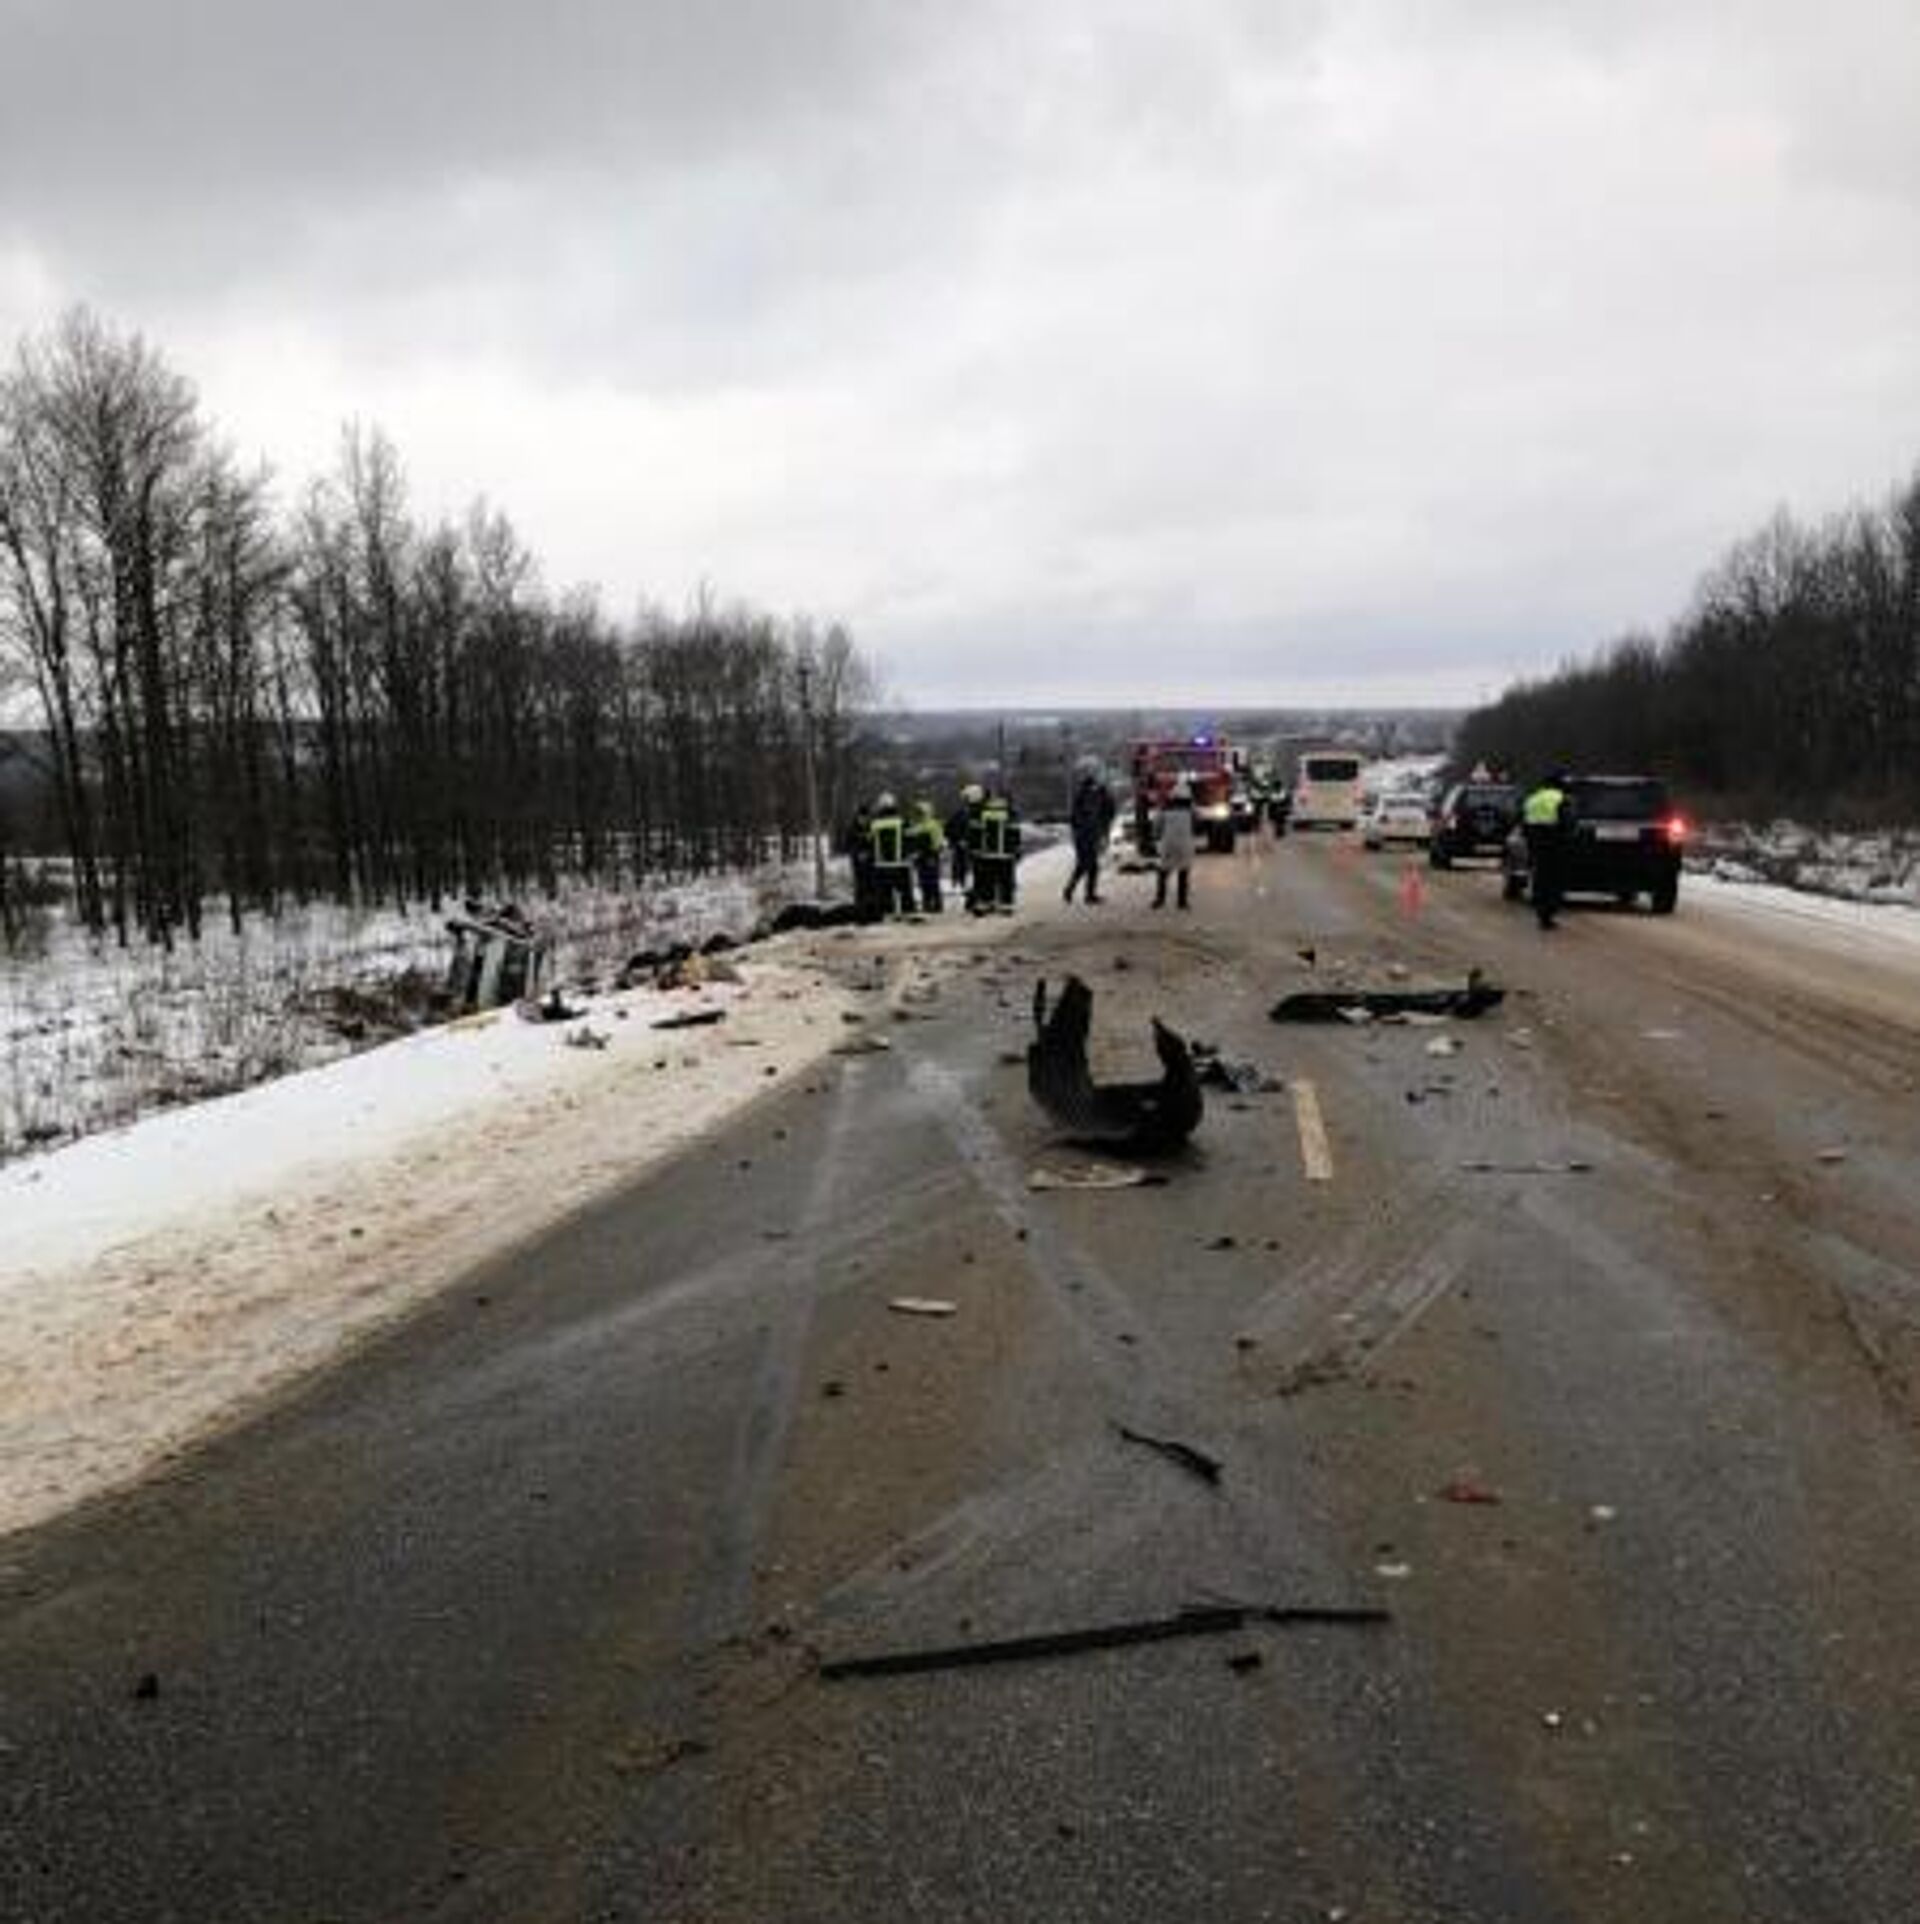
1326	789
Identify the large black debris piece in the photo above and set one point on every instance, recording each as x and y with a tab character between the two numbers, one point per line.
1144	1118
1345	1005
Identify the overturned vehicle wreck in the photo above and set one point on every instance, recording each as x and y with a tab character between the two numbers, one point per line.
1142	1118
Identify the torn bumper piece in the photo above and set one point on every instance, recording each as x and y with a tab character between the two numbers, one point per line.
1144	1117
1340	1005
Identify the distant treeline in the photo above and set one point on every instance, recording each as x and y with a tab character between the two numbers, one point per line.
1791	684
237	704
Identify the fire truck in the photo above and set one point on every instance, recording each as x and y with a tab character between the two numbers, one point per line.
1212	769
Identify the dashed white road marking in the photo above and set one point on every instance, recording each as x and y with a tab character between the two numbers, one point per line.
1316	1156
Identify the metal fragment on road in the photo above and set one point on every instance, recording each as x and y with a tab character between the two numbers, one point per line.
1195	1462
1206	1621
923	1306
1316	1155
1573	1168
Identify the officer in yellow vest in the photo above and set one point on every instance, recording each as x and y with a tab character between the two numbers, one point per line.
1543	820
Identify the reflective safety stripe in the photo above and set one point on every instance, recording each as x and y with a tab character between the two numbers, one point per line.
993	831
888	833
1543	807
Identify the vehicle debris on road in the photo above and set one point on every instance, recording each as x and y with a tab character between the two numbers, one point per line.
689	1019
1196	1621
1195	1462
1466	1489
1094	1175
1349	1005
1149	1118
1571	1168
923	1306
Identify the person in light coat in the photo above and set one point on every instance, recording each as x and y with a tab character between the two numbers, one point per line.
1173	839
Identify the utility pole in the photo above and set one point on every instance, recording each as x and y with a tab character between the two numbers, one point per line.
813	785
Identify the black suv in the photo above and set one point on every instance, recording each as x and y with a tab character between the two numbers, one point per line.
1623	839
1473	818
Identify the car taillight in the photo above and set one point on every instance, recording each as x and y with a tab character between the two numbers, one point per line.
1675	829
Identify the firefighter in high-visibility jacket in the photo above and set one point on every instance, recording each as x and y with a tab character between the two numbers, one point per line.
925	841
1543	820
994	835
892	868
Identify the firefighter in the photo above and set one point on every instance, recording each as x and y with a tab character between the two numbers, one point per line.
1092	819
960	835
892	871
925	840
1543	819
1173	840
995	836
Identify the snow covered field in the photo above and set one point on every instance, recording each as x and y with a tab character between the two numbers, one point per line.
1881	867
93	1038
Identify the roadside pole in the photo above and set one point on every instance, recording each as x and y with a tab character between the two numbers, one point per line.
813	786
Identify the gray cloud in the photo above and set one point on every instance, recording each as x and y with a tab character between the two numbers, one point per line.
1062	348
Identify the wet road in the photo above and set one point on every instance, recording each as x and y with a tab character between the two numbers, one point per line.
514	1617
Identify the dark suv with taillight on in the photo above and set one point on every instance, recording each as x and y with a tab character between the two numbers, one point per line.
1623	839
1474	818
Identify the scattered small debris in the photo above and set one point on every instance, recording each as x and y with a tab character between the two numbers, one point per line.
1210	1621
689	1019
584	1039
1444	1045
147	1689
1465	1489
1520	1038
1093	1175
923	1306
1194	1462
861	1045
1832	1155
1314	1373
1393	1572
1552	1719
1602	1512
1660	1035
1224	1242
1238	1078
1243	1661
1574	1168
645	1755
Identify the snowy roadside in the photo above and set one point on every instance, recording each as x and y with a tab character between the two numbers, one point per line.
160	1277
159	1280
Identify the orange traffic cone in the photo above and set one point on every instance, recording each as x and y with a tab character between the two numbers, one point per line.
1413	892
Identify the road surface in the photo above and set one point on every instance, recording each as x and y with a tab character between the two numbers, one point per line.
516	1616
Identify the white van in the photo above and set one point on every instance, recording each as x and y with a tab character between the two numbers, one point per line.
1326	789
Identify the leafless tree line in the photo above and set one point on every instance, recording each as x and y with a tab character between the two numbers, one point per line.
236	705
1791	683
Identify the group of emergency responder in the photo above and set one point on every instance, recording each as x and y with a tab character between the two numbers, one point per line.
896	854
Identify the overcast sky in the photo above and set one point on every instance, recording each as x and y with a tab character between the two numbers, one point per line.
1227	350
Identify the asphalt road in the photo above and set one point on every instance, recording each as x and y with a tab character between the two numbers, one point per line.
516	1615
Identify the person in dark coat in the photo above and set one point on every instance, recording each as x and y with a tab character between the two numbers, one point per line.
857	846
1091	817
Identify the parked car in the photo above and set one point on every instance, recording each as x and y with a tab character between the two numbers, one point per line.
1624	838
1473	818
1399	815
